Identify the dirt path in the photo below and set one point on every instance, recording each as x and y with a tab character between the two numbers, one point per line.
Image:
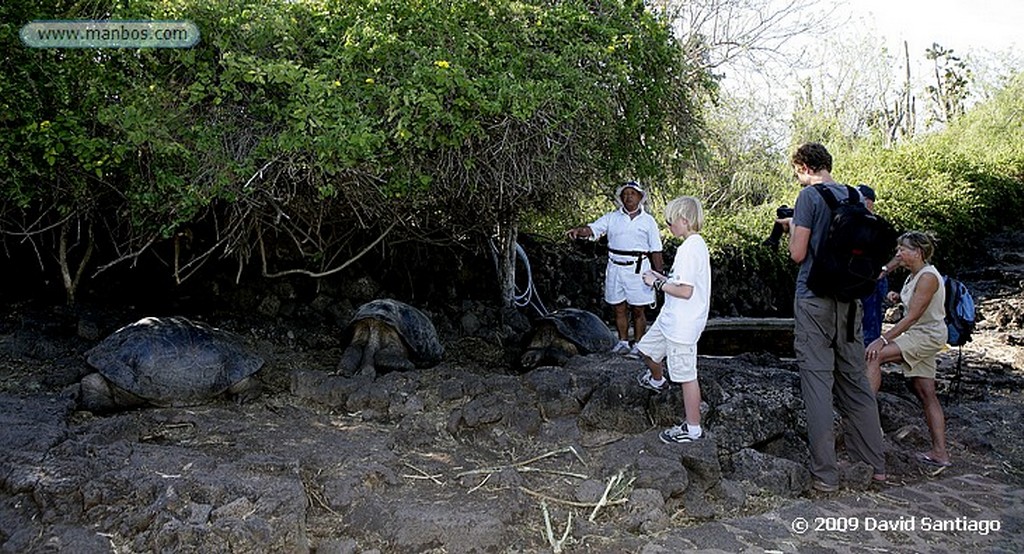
467	457
967	513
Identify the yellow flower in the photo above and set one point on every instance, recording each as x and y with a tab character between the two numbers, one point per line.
370	81
443	64
337	84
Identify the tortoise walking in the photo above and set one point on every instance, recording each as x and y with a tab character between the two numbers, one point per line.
167	361
565	333
388	335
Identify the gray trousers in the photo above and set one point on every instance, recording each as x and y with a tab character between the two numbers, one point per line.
832	368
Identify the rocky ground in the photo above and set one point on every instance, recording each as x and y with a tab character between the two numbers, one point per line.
470	456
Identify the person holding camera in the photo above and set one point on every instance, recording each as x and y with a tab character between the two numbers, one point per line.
828	363
634	246
782	212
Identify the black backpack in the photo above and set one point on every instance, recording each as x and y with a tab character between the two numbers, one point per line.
858	244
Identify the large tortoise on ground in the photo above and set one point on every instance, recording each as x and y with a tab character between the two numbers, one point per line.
563	334
167	361
388	335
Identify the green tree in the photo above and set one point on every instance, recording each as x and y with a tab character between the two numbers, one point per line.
320	128
952	79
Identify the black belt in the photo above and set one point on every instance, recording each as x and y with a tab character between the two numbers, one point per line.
630	253
639	261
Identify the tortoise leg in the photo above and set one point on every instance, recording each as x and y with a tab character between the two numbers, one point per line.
558	355
366	366
392	354
350	360
99	395
245	390
96	394
561	350
393	358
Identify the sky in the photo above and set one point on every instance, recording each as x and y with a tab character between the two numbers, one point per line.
989	34
966	26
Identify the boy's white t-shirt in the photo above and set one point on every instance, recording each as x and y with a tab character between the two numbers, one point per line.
683	319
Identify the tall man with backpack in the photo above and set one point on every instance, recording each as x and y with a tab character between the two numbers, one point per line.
828	346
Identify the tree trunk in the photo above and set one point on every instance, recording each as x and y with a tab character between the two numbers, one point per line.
505	237
71	282
908	131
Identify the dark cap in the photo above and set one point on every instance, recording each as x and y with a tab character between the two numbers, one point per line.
866	192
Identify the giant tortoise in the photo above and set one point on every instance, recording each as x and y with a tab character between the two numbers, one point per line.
564	333
167	361
388	335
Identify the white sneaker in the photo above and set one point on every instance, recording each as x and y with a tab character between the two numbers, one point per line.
646	381
621	348
678	434
634	353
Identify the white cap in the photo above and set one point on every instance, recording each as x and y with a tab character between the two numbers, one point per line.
630	185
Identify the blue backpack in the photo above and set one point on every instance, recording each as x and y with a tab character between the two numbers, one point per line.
959	312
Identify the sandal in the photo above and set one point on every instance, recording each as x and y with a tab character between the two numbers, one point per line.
926	459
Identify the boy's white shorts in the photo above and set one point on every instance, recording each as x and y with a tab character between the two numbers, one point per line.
680	359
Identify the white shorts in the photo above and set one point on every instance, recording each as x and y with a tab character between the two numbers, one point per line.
680	359
623	284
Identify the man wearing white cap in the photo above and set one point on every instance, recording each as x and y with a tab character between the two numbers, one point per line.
634	246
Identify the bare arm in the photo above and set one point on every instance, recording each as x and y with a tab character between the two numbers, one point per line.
660	282
926	287
679	291
799	241
657	262
889	266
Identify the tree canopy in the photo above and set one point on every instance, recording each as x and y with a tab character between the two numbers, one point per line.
315	127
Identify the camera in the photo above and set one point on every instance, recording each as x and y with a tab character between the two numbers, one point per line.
773	239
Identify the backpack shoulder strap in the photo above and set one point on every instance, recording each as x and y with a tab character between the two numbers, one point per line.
830	198
853	197
950	286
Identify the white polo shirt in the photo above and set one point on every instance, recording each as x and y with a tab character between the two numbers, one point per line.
636	234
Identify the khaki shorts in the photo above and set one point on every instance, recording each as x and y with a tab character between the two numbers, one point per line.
919	349
680	359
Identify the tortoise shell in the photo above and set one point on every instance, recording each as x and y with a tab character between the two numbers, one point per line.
172	360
